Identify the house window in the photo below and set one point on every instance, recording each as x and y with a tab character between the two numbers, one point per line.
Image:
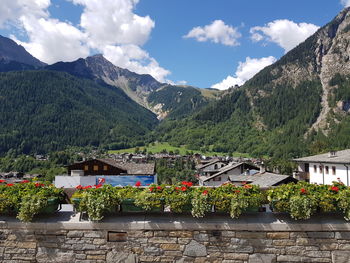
215	166
217	179
105	168
334	170
315	169
327	170
95	167
321	169
86	168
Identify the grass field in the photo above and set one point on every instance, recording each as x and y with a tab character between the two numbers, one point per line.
159	147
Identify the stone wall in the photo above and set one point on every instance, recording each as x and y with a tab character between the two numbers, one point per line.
181	239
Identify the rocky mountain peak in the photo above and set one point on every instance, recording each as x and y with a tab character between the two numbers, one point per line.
11	51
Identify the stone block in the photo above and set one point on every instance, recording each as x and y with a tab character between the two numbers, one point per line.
239	249
278	235
99	241
96	257
153	251
201	260
121	257
195	249
342	235
247	235
52	255
182	240
201	237
162	240
160	233
150	259
317	254
320	234
186	234
340	257
236	256
289	258
75	234
177	247
283	242
262	258
95	234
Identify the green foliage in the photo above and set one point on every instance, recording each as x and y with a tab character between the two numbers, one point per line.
42	111
172	172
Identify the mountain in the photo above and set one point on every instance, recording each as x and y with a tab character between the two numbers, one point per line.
42	111
142	88
15	57
296	106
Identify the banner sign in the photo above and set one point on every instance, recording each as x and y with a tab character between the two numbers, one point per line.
125	180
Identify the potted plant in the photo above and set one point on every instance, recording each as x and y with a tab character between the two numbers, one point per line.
178	197
201	201
98	201
151	198
235	200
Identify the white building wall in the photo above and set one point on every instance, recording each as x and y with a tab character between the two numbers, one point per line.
317	176
74	181
224	179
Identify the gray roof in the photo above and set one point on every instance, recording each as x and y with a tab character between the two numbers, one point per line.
208	164
228	168
132	168
265	179
139	168
341	157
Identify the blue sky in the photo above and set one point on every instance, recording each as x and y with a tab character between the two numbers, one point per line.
227	41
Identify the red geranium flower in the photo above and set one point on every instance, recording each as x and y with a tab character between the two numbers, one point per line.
24	181
151	189
2	181
98	186
183	188
188	184
79	187
159	188
87	187
10	185
303	191
335	188
247	186
138	183
237	191
39	185
205	192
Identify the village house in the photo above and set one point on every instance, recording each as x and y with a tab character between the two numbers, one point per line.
210	168
325	168
107	171
245	173
209	176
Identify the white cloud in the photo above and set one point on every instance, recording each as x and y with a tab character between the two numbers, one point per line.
217	32
284	33
245	71
346	3
112	22
109	26
12	10
51	40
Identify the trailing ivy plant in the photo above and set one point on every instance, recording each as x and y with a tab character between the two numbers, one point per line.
201	202
31	206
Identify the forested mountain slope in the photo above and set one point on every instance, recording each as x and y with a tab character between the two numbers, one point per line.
296	106
41	111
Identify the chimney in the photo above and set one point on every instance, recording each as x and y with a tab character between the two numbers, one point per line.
332	154
262	168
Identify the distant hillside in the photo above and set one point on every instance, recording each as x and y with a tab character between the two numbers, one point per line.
41	111
299	105
142	88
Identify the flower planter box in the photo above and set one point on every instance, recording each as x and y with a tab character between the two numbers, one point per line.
186	209
128	205
52	206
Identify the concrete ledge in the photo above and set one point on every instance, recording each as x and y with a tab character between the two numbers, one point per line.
167	221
